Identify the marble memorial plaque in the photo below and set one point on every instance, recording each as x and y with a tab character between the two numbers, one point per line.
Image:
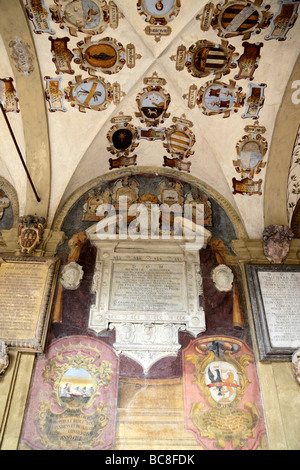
147	292
274	293
26	292
148	286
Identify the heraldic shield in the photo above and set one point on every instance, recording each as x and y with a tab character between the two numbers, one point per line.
73	398
221	394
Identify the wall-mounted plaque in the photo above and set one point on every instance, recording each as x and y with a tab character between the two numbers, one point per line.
26	293
146	292
274	293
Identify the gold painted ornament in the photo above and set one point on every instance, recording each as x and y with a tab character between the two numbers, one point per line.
216	97
92	93
86	16
106	55
236	18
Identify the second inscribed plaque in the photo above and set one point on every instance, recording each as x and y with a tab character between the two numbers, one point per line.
26	290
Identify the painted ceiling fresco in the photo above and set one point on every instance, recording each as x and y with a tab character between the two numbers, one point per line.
187	85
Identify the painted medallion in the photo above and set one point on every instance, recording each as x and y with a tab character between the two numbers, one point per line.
221	394
86	16
92	93
237	17
216	97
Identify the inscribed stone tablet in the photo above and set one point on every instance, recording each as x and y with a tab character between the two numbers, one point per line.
148	286
280	294
26	289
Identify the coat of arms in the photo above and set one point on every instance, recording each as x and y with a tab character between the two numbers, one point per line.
122	136
106	55
72	405
251	150
92	93
153	102
222	399
206	58
30	232
217	97
180	139
158	13
237	18
4	203
85	16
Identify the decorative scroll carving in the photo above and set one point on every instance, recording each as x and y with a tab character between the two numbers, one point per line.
4	359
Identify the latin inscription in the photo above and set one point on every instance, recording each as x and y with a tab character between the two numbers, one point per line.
25	292
148	287
280	293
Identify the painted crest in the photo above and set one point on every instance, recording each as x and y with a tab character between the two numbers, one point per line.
254	100
39	14
217	97
123	139
95	198
122	136
73	399
54	94
283	20
251	150
106	55
92	93
30	232
221	394
153	102
158	13
238	18
85	16
4	203
249	60
180	139
247	187
62	56
207	58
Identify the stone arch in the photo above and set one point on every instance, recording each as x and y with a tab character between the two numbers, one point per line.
185	178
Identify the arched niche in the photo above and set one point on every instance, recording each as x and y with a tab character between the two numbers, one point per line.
78	220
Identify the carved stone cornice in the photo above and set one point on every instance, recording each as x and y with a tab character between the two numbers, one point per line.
48	247
252	251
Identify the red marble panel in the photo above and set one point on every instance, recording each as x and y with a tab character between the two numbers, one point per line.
73	397
222	402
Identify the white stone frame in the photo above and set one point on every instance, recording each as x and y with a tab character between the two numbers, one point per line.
133	327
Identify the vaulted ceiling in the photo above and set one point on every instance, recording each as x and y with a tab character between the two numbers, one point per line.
65	132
